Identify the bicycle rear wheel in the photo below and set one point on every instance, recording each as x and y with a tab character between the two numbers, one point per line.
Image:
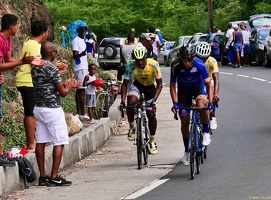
105	106
146	145
139	143
192	152
98	111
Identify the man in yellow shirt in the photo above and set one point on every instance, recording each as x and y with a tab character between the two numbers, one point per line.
23	79
147	80
203	51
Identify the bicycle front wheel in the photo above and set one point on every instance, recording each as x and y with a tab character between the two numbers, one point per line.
139	142
98	111
146	144
192	152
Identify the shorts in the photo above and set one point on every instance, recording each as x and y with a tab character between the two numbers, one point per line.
247	48
80	76
136	89
51	126
28	97
185	96
237	46
90	100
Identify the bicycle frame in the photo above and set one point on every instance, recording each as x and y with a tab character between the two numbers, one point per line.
109	96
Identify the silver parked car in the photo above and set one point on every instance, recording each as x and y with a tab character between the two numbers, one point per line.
163	55
174	52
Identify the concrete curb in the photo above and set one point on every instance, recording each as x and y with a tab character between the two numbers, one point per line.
81	145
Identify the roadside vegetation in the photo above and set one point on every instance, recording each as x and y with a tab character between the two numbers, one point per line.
173	17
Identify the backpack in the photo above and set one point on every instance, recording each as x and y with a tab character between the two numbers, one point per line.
26	170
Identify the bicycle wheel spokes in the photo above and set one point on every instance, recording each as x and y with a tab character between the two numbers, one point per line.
192	152
139	142
146	145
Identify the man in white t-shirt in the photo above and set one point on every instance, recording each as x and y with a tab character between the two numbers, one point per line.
80	67
229	44
157	44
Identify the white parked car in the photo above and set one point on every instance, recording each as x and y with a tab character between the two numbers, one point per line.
174	52
163	55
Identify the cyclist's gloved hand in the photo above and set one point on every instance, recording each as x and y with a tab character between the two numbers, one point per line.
122	105
176	107
154	104
211	107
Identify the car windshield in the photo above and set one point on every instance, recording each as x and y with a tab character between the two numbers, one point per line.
262	34
261	22
202	39
168	45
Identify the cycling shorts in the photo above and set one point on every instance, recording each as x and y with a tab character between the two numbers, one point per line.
185	97
136	89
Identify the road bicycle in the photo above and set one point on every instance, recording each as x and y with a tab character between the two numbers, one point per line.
106	98
142	131
197	150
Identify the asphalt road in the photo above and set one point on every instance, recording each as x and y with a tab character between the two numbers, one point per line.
237	167
238	163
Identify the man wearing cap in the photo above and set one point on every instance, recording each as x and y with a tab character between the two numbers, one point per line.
146	41
80	67
156	44
158	33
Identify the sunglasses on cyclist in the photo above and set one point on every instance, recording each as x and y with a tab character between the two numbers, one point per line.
187	60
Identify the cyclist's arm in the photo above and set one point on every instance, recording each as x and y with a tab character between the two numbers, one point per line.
158	89
124	88
173	92
209	89
216	83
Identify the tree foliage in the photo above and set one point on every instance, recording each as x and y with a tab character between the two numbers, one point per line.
173	17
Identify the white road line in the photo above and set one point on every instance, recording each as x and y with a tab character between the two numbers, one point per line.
241	75
259	79
226	73
146	189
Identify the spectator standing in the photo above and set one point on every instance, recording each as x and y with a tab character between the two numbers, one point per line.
158	33
80	67
216	29
246	37
9	27
229	44
209	33
91	46
23	79
156	44
147	42
131	34
238	44
90	91
50	119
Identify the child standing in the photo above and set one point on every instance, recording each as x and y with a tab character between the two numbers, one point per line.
90	91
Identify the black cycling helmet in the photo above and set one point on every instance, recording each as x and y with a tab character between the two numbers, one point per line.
187	52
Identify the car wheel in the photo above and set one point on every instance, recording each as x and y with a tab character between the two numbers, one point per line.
258	61
268	62
110	51
224	61
165	61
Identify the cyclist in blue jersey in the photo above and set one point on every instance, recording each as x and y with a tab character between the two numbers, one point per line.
191	76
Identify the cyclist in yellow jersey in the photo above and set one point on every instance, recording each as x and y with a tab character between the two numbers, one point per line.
203	51
147	80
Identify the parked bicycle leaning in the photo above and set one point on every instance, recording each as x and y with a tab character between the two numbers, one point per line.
147	80
190	73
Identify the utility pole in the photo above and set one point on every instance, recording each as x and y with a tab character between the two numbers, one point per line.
210	12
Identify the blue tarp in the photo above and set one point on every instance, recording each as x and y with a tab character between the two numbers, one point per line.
71	32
